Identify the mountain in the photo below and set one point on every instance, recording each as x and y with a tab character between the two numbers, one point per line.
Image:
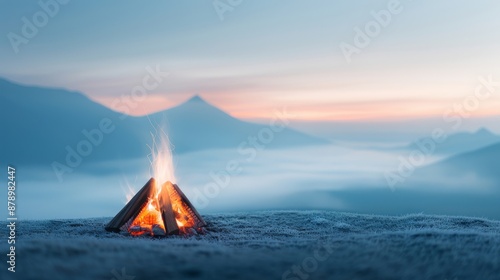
483	162
196	124
40	125
44	125
464	184
462	142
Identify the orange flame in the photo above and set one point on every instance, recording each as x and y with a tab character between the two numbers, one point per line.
148	218
162	162
162	168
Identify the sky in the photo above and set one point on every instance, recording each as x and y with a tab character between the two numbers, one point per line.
252	57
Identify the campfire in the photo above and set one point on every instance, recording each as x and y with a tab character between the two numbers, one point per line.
160	208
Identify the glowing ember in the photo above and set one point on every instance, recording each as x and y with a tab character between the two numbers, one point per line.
146	220
150	220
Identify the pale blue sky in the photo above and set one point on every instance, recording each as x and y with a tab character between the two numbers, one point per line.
263	55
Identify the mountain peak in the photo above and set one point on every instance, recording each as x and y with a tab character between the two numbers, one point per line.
484	131
196	99
198	102
199	105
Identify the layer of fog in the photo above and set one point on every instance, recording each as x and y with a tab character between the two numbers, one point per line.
269	179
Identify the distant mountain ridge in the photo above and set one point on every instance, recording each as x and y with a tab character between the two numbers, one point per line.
463	142
483	162
43	123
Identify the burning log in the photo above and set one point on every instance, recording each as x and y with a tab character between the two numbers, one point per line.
200	222
167	213
133	207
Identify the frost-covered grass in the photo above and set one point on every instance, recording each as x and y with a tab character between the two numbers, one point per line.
265	245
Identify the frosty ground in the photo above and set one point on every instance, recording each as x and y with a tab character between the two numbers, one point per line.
265	245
